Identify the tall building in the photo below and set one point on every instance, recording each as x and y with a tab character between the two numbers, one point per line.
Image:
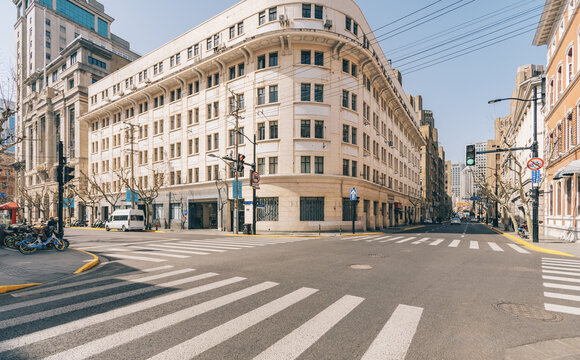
62	47
558	30
328	113
480	166
455	182
467	184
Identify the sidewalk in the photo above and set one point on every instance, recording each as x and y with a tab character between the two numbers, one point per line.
549	242
18	271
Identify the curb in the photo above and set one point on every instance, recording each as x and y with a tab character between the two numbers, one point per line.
88	265
7	288
103	229
531	246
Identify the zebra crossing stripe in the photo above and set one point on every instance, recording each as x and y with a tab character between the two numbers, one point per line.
183	247
157	253
295	343
158	247
473	245
109	315
380	237
562	296
454	243
562	309
123	276
217	335
103	300
396	238
562	286
367	237
561	268
576	262
560	264
405	240
130	257
123	337
394	339
494	246
216	245
233	243
67	295
420	241
437	242
560	272
560	278
385	238
518	249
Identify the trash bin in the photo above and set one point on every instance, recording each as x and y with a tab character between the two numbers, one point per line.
248	229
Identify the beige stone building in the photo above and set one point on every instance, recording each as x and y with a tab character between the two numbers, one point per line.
307	79
61	49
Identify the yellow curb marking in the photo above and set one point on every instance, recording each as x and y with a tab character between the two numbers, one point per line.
6	288
363	234
103	229
531	246
416	227
88	265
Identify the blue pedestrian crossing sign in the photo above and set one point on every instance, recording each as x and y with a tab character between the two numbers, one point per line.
353	194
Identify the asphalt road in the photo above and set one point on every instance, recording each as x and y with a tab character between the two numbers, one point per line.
438	292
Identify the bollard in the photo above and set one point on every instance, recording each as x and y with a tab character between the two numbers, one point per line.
318	229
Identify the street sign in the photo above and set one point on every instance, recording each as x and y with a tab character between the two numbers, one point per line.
353	194
255	178
237	189
185	212
260	206
536	176
535	163
247	203
475	198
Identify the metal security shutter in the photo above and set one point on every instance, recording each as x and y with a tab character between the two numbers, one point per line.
311	209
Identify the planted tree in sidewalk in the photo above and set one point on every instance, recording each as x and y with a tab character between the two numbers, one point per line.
88	195
102	191
147	187
9	88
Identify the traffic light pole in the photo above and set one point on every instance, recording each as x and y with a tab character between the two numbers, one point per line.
60	188
254	191
535	189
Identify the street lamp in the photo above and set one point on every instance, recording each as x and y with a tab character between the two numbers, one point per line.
534	148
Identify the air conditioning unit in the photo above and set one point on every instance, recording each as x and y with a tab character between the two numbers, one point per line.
328	24
391	143
282	17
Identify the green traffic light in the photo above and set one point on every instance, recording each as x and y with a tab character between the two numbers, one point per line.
470	161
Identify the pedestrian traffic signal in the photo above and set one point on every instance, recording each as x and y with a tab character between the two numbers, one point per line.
240	165
68	173
470	155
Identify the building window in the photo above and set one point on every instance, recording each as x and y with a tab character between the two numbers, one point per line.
261	165
273	129
261	96
273	94
262	18
345	133
345	98
272	14
305	56
311	209
319	164
318	92
318	58
261	131
273	165
273	59
347	209
241	70
354	169
318	12
270	210
319	129
305	92
345	167
306	10
305	128
354	136
232	32
240	28
305	164
261	62
353	102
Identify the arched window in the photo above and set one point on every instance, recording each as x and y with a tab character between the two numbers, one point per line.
559	83
551	93
559	199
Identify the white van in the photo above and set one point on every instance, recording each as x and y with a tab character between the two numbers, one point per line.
126	219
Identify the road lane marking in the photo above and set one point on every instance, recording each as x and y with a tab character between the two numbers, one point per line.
394	339
216	246
437	242
560	268
560	264
518	249
473	245
405	240
562	286
295	343
454	243
181	247
219	334
130	257
54	331
562	309
195	247
99	301
560	278
560	272
123	337
562	296
381	237
158	247
159	253
494	246
574	262
420	241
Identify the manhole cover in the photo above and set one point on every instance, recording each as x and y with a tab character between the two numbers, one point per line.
361	267
528	312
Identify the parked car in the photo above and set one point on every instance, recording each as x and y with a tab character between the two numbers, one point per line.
455	220
428	221
126	219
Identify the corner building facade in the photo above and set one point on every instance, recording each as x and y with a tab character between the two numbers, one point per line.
307	79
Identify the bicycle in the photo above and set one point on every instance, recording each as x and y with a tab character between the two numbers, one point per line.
28	247
14	235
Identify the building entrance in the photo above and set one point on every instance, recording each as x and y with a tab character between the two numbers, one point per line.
202	215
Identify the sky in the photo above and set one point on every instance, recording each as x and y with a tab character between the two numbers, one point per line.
457	91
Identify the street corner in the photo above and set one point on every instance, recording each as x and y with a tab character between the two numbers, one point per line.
532	246
94	261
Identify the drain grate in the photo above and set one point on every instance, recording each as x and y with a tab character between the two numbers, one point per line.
528	312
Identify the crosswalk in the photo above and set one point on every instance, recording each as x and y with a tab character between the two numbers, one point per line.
455	243
561	285
44	315
160	251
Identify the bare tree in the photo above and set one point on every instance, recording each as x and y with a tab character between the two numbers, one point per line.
89	196
147	188
8	107
101	191
39	200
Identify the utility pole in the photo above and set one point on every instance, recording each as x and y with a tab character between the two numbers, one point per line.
495	220
236	186
535	189
254	190
60	180
132	187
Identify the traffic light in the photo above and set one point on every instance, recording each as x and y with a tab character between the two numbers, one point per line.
240	165
68	173
470	155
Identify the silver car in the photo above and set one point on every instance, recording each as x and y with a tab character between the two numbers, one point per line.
455	220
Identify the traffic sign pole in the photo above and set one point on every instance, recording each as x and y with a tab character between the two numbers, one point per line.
353	200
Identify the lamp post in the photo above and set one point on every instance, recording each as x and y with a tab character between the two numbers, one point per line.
534	148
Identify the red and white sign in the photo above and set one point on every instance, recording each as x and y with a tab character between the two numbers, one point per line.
535	163
255	178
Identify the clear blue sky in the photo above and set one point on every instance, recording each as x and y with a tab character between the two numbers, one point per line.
457	91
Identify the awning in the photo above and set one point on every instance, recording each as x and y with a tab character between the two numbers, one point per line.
558	174
9	206
571	169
